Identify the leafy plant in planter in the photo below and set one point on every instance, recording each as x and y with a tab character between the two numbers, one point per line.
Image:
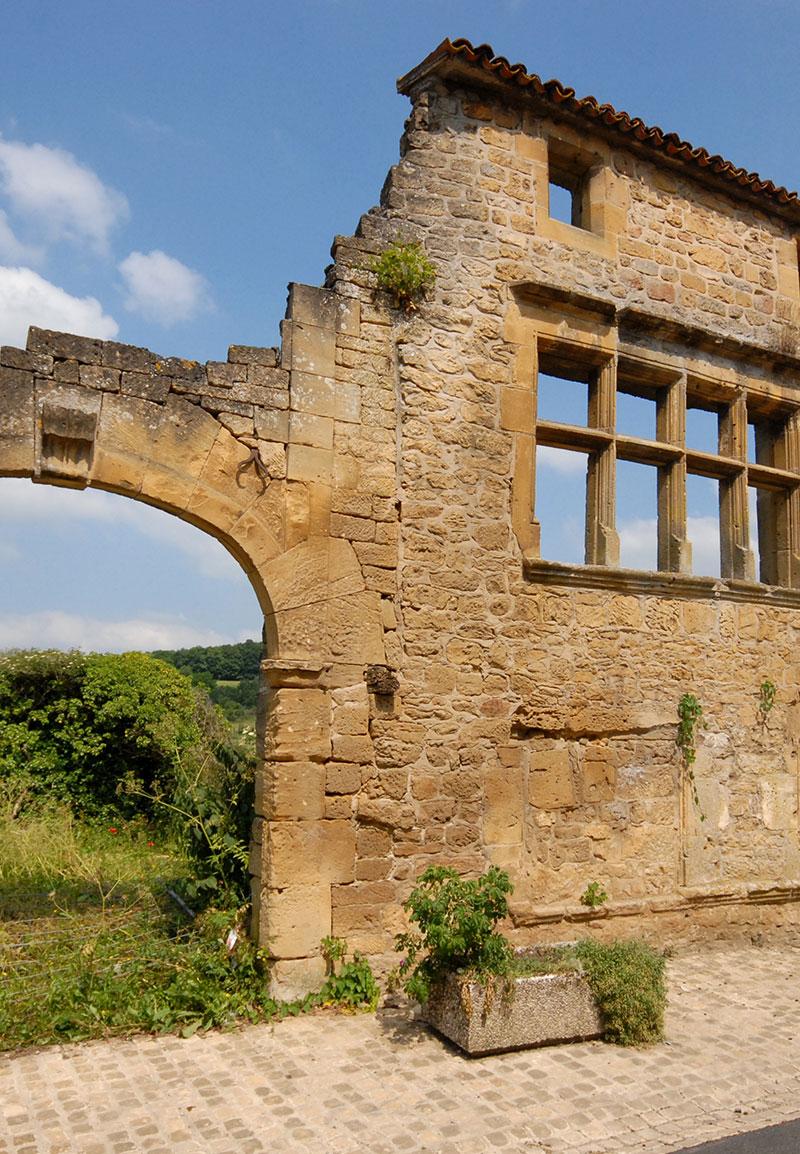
456	919
457	940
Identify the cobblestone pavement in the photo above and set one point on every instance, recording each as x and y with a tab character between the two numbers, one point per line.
341	1085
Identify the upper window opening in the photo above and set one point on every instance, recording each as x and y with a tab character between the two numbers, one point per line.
568	172
702	430
562	202
563	399
636	414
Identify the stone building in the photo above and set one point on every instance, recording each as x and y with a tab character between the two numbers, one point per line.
439	691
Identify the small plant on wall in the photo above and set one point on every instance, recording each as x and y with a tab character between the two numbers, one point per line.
766	699
690	711
404	271
594	896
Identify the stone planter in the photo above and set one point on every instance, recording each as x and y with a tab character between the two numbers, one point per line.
538	1011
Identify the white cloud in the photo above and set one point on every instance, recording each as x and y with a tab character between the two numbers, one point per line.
638	543
162	289
9	553
65	199
28	299
21	501
14	250
560	460
703	532
53	629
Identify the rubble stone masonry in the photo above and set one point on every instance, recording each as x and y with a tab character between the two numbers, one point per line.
434	690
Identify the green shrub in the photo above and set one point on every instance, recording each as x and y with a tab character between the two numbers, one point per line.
629	984
456	919
404	271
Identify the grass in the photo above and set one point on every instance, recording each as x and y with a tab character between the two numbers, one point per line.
92	944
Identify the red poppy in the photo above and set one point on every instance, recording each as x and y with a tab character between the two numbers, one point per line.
112	829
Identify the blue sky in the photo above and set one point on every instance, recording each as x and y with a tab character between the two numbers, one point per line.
166	168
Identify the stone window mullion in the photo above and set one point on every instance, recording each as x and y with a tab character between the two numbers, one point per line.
602	540
674	549
734	528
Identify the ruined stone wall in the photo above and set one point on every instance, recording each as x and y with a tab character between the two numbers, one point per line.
435	692
536	719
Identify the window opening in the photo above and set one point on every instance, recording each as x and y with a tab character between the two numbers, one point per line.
636	414
561	202
562	399
567	183
702	430
702	524
561	503
756	527
637	515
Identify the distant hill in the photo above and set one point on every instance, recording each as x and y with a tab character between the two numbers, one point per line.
221	662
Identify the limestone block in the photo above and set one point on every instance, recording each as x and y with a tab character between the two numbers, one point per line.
16	422
313	394
272	424
312	305
313	349
229	469
313	572
213	510
295	920
778	797
517	410
252	354
255	533
503	806
351	718
120	473
342	777
87	350
185	436
305	463
310	852
39	363
598	773
298	725
296	790
550	784
347	747
293	978
311	429
148	386
66	429
372	841
354	629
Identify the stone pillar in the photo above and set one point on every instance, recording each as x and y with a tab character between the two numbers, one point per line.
734	521
674	551
298	853
602	539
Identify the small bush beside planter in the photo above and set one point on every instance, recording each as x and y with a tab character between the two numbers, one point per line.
482	995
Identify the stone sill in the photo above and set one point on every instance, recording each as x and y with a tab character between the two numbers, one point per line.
638	582
684	898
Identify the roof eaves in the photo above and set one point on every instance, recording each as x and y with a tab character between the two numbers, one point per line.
479	64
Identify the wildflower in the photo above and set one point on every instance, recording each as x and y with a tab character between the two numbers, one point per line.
112	829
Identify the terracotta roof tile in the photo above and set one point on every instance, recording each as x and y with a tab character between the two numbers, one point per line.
496	69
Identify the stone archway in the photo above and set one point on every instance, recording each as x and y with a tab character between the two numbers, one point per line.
241	450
